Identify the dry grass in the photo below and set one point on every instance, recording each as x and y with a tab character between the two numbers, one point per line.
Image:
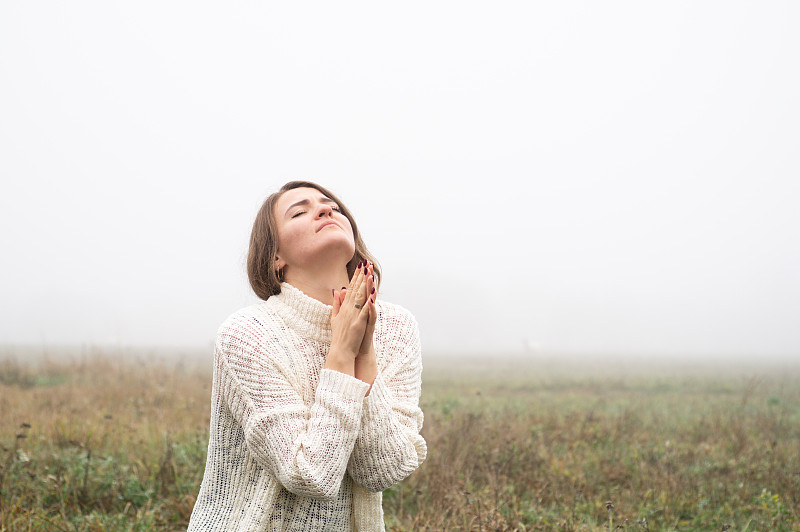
100	443
606	449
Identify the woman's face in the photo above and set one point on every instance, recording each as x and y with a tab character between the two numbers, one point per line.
312	231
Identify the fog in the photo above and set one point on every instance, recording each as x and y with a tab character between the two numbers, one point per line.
534	178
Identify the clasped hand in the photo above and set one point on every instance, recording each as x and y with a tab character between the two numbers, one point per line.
354	315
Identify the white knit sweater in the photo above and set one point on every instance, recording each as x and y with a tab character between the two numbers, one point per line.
294	446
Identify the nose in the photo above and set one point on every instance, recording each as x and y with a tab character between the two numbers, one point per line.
324	210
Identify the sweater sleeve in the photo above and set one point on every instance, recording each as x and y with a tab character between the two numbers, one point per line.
306	448
389	446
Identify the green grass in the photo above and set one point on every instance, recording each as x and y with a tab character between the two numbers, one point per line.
110	444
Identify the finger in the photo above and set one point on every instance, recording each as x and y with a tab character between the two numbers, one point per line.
371	281
351	287
361	294
364	313
354	278
360	298
337	302
369	275
355	286
340	295
373	312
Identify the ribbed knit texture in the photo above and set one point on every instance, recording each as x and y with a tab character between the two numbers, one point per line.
297	447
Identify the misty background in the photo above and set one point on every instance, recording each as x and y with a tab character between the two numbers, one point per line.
534	177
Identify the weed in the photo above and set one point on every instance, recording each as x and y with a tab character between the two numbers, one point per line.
110	444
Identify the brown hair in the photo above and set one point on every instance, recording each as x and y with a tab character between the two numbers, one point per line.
264	278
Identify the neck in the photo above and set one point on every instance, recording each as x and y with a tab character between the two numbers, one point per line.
318	284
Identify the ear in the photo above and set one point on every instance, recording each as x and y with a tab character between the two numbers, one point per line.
279	262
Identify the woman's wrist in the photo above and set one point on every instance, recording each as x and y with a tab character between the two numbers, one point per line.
340	361
366	368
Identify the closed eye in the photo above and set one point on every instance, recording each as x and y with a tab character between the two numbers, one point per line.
333	206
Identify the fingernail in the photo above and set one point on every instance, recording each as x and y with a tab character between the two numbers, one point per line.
343	288
373	290
371	299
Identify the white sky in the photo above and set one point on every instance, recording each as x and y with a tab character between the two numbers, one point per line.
593	177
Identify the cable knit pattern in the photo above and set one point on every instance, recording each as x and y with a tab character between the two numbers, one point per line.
294	446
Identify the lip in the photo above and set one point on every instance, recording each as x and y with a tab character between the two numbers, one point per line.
326	224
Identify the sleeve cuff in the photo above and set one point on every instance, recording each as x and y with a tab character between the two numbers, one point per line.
378	402
340	383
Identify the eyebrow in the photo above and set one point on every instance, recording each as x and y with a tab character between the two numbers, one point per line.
323	199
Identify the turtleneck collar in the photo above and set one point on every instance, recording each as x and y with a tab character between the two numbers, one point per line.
303	314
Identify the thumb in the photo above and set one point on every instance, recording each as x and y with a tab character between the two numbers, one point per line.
337	303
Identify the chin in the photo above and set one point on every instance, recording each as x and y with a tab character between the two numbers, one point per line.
341	247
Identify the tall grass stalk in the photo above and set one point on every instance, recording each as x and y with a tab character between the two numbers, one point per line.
104	443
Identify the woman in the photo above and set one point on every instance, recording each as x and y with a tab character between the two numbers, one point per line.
315	397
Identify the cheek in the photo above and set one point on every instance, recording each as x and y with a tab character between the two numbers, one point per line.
349	228
288	240
350	235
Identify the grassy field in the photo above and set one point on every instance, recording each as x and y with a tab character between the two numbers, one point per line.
118	443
